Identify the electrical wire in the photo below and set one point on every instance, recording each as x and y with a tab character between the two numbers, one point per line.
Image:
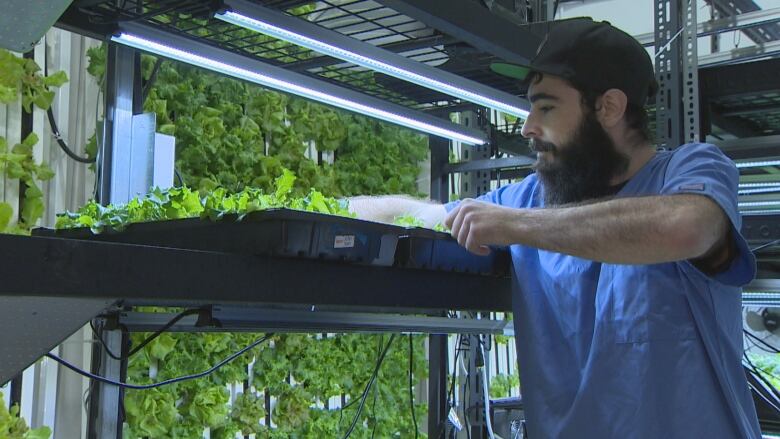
152	78
771	348
411	393
55	131
488	423
766	382
161	383
148	339
368	387
763	246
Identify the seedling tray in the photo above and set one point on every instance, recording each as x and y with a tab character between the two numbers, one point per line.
273	232
428	249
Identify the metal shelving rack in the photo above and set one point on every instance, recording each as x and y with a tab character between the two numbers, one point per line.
85	278
733	98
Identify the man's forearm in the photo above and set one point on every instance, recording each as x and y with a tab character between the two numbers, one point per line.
643	230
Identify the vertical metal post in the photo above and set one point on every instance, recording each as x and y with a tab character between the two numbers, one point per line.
437	385
108	424
122	101
114	177
690	70
677	103
440	156
437	344
474	183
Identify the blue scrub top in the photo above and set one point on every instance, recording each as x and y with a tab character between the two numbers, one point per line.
634	351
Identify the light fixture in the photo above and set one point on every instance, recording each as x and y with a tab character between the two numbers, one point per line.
193	52
761	190
759	203
317	38
760	164
760	212
762	184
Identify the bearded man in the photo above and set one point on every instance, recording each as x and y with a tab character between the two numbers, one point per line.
627	260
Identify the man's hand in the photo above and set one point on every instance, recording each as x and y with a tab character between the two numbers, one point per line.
476	225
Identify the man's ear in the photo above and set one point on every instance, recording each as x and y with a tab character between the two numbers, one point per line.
611	106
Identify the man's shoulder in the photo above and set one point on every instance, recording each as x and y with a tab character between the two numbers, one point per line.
696	149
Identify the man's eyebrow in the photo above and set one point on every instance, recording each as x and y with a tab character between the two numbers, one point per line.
535	97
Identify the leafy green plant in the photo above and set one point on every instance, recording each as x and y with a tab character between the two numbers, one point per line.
22	78
235	142
501	384
13	427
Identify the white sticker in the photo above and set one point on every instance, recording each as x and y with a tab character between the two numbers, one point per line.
344	241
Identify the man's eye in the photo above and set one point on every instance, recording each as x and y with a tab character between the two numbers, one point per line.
545	109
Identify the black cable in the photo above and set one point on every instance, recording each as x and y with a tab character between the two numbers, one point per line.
152	78
148	339
177	174
760	340
766	382
555	9
759	393
368	386
103	342
411	393
763	246
162	383
55	131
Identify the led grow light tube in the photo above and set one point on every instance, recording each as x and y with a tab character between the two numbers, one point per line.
311	36
758	203
760	164
183	49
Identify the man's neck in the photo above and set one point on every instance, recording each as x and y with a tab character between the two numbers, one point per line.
638	155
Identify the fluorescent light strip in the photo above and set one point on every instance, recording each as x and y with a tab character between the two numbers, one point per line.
758	164
370	63
211	64
758	203
761	212
759	190
765	184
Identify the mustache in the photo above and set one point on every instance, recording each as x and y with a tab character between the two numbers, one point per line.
542	146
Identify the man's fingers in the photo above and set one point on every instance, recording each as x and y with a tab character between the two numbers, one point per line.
448	220
463	231
457	224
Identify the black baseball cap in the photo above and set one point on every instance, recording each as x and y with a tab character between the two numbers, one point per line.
592	54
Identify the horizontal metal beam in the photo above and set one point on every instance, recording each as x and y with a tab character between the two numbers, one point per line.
396	47
763	285
474	24
734	7
725	24
742	54
745	79
247	319
490	164
55	267
750	147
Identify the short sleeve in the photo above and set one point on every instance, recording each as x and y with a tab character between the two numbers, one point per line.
703	169
512	195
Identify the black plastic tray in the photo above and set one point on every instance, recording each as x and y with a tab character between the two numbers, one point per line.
273	232
428	249
294	233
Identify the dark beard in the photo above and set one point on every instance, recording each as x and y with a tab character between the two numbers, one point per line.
583	168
